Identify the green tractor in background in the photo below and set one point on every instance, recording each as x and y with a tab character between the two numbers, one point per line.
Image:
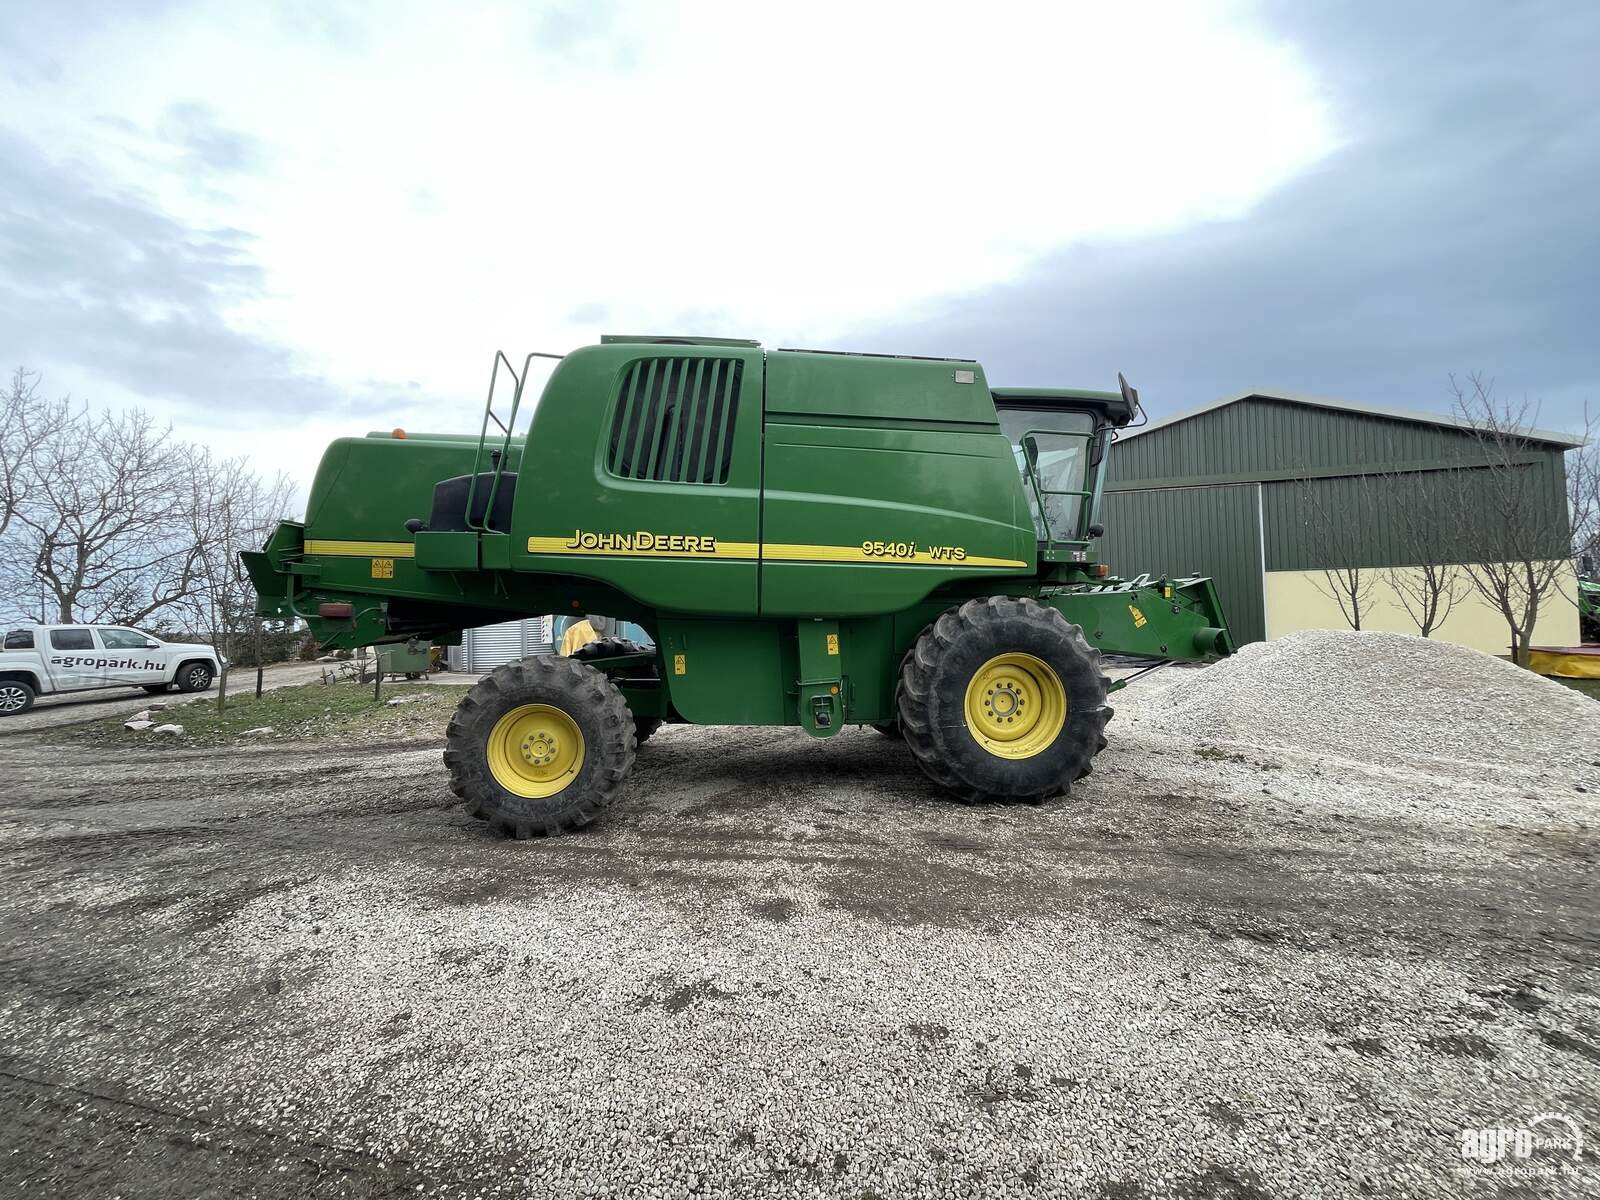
811	538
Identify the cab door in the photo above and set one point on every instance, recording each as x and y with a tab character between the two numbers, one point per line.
135	658
74	658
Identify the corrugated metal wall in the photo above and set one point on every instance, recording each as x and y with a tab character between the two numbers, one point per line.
490	646
1462	507
1213	531
1262	439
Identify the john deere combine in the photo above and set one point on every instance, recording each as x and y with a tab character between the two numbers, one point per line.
814	539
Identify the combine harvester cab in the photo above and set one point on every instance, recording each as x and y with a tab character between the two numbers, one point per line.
813	539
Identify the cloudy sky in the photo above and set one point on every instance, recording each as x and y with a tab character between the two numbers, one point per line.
274	224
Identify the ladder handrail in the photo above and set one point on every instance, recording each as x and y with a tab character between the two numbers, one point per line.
506	427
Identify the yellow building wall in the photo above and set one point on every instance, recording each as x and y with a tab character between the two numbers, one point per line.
1304	600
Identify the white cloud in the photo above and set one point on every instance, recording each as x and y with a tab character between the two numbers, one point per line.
430	182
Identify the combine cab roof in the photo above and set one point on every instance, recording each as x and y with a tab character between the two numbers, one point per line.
1111	403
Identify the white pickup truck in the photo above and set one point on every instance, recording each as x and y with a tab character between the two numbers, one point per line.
37	660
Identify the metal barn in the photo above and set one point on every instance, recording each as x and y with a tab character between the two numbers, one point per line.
1226	490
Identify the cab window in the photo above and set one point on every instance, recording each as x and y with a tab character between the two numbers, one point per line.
1055	444
123	639
19	639
71	639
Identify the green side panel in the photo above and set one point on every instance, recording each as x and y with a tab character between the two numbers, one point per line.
1211	531
809	383
632	446
751	672
884	479
729	672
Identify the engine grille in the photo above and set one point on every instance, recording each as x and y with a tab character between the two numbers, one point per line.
674	420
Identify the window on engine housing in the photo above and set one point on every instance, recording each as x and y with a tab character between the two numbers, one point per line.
1059	445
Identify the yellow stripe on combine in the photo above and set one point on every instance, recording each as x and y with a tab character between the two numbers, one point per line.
339	549
789	552
748	551
772	551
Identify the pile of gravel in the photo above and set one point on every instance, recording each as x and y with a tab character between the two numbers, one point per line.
1388	699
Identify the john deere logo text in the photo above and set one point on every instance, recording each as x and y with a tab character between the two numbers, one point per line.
643	542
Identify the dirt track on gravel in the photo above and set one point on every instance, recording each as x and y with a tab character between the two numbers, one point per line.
781	967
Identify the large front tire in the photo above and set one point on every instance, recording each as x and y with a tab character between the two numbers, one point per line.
1003	699
611	647
540	746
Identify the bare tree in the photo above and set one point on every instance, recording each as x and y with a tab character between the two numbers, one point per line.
95	529
1335	512
1583	491
26	421
1421	512
1518	553
229	508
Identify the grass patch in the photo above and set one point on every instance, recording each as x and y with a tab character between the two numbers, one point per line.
1589	687
310	712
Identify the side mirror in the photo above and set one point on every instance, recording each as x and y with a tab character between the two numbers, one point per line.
1097	530
413	525
1130	397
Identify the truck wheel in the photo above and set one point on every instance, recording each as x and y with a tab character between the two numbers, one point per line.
610	647
15	697
1003	699
194	677
540	746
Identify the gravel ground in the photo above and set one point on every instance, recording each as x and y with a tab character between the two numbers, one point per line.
1236	964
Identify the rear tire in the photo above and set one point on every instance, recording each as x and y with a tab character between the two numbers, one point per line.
610	647
964	701
194	676
540	746
16	697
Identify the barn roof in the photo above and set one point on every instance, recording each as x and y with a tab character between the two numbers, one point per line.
1444	420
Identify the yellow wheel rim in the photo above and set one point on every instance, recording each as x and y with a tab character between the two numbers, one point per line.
535	751
1016	706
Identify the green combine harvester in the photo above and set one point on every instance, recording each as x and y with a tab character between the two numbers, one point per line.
813	539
